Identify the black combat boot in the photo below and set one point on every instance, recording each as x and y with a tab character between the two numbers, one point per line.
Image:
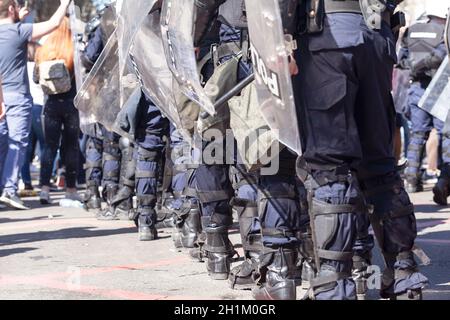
441	189
243	277
187	228
278	273
146	222
219	251
92	199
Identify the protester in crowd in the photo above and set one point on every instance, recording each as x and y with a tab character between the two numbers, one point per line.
36	134
61	120
14	132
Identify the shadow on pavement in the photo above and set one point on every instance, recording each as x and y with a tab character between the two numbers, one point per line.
8	220
70	233
9	252
430	208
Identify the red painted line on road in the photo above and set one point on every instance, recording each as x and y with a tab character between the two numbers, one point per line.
50	281
107	293
11	279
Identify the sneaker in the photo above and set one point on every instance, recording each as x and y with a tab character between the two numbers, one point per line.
44	197
13	201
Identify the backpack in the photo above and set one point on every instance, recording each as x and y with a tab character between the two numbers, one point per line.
54	77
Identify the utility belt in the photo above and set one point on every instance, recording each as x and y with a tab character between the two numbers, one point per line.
313	179
374	12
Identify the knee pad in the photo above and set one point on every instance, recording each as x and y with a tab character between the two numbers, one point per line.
124	143
326	223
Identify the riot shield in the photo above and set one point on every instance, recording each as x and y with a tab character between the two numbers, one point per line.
400	86
129	19
447	32
77	27
98	98
437	96
270	62
147	54
177	23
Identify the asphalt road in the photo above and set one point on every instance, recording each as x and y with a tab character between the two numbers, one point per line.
58	253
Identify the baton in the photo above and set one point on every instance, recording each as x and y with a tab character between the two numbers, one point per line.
230	94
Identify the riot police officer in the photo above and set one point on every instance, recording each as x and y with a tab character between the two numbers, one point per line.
106	150
345	58
422	52
152	130
268	206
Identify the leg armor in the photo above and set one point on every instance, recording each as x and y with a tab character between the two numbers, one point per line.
214	193
187	223
243	276
146	189
416	150
111	171
334	201
93	167
394	225
245	207
280	221
123	201
362	255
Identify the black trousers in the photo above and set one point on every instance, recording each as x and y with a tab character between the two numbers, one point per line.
61	130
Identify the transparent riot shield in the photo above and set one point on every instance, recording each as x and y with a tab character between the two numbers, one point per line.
129	20
147	54
98	98
177	24
447	32
436	99
400	86
270	62
77	27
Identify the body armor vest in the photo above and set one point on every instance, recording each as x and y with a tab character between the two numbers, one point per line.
423	38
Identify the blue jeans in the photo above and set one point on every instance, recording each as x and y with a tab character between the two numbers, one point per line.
14	137
36	136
